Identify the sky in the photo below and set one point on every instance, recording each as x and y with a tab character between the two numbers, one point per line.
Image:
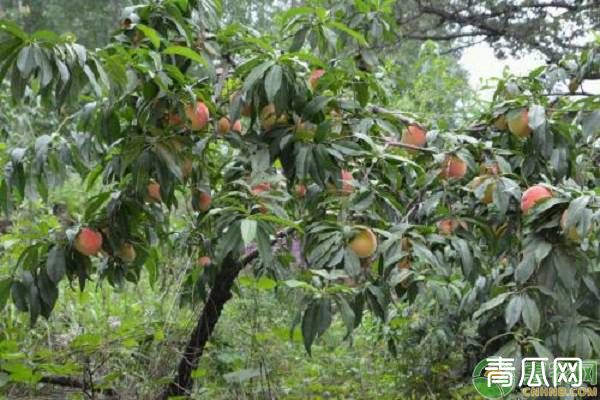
482	64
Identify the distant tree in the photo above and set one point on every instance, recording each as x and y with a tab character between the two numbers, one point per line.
509	26
92	22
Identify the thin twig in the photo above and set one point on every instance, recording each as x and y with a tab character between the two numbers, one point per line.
395	143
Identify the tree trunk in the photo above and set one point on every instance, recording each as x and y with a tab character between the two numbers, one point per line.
220	293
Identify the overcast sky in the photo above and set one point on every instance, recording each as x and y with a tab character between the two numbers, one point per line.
482	64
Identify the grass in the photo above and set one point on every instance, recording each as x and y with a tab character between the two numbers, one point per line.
129	339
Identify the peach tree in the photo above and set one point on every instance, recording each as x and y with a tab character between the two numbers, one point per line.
287	156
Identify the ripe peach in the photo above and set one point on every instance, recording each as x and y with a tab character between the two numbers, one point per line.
364	244
347	187
261	187
454	167
518	123
414	135
204	201
174	119
198	115
204	261
237	126
223	125
447	226
300	190
88	241
313	80
126	252
532	196
153	191
269	117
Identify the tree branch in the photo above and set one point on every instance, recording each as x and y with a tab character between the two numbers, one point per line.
220	293
524	25
67	381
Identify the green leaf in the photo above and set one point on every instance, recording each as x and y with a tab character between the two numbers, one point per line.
13	29
26	60
583	347
594	339
542	249
199	373
294	284
591	124
151	34
499	196
309	326
537	116
362	92
8	51
351	32
351	263
512	313
185	52
299	39
463	249
35	306
265	283
256	74
248	230
491	304
18	291
294	11
531	314
591	285
525	268
330	36
5	285
273	82
20	372
242	375
87	341
264	244
4	379
48	292
423	253
575	211
346	312
151	266
376	300
565	268
542	350
45	36
315	321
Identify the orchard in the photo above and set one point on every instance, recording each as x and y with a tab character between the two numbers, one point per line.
209	160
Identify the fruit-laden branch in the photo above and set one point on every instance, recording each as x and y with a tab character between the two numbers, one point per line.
220	293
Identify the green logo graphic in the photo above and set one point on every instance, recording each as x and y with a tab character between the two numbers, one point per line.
487	385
